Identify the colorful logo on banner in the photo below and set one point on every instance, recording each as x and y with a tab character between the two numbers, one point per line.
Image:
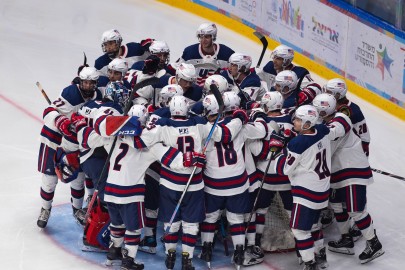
370	57
292	16
325	31
384	61
249	6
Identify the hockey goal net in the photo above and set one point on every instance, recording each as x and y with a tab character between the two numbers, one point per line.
277	235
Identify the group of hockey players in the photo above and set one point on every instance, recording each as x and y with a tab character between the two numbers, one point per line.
171	151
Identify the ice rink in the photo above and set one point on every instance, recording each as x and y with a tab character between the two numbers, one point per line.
44	40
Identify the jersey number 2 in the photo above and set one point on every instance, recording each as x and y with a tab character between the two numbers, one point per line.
124	150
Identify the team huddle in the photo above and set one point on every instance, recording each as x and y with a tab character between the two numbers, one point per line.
204	144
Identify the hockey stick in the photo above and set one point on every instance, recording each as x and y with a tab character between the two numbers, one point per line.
276	129
128	106
388	174
218	96
43	93
265	43
85	59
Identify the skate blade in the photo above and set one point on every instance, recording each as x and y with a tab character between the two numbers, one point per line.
376	255
346	251
323	265
150	250
93	249
113	262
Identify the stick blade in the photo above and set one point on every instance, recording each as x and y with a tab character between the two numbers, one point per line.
261	37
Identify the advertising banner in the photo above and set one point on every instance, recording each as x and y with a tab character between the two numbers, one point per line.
375	61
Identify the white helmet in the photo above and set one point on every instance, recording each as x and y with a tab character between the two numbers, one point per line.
186	72
111	35
141	112
231	101
168	92
286	78
325	104
178	106
159	46
336	87
140	101
284	52
89	74
308	115
243	61
120	65
272	101
218	80
207	29
210	104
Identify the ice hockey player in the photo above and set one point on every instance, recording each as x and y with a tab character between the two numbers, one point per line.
161	50
281	59
222	85
186	77
117	69
226	180
239	76
148	243
351	174
93	157
271	103
306	161
338	88
186	134
57	129
124	192
111	44
207	55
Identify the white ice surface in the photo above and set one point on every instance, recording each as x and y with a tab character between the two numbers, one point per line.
44	40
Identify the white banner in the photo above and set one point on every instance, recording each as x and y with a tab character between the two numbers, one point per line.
375	59
370	58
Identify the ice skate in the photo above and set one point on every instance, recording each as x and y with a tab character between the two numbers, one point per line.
345	245
206	253
186	263
320	259
238	256
373	250
79	215
128	263
114	256
311	265
170	259
43	217
148	244
355	233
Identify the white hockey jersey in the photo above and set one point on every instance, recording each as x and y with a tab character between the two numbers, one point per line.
307	162
225	172
187	136
349	162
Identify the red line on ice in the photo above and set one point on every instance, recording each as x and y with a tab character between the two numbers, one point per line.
20	108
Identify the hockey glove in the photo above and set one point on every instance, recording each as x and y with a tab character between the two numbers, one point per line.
276	142
62	123
78	121
66	165
194	159
241	114
151	65
145	43
257	113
